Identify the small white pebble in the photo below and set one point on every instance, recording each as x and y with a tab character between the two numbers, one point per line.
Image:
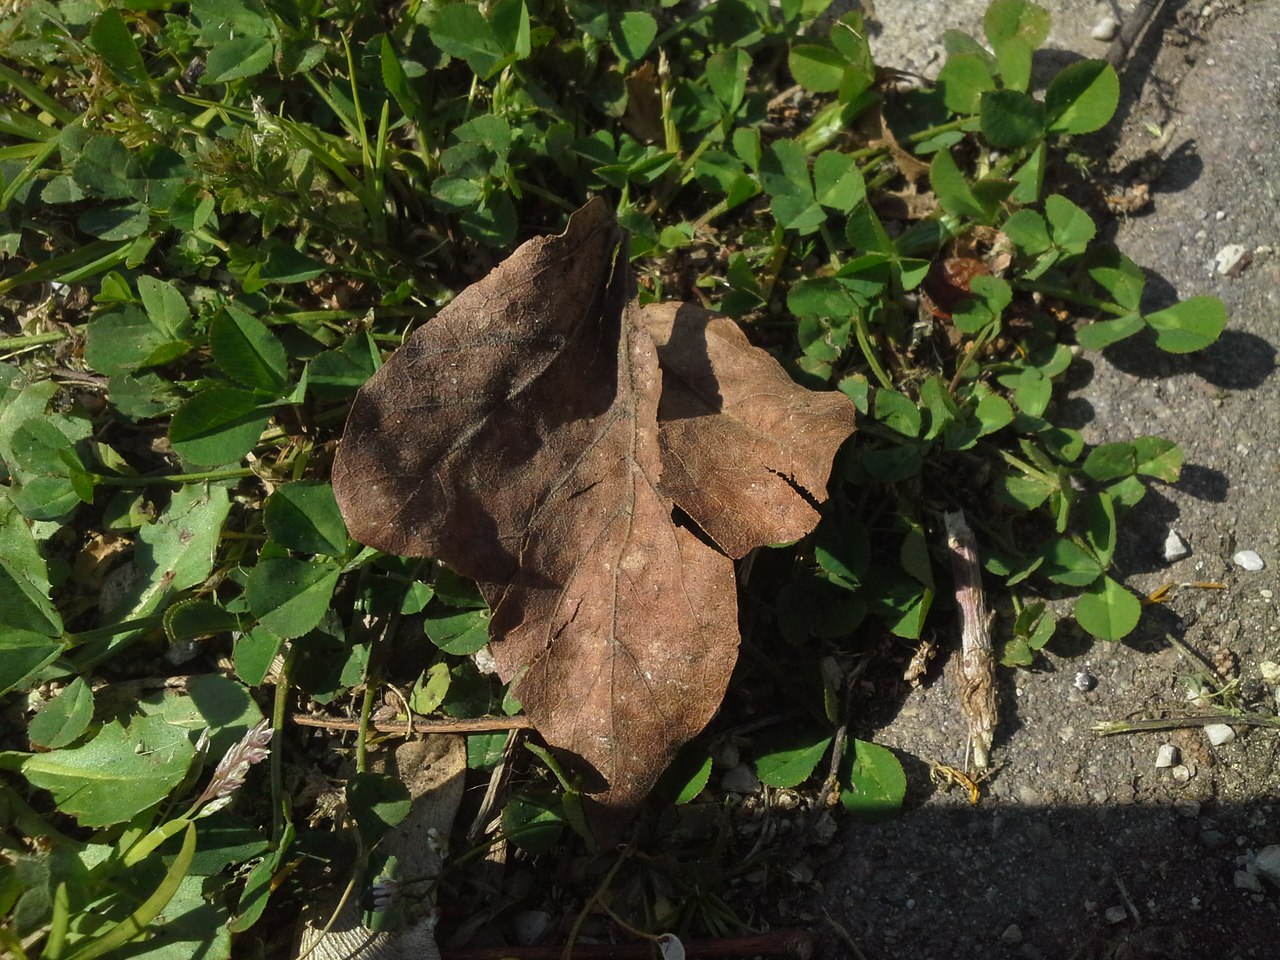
1231	260
1105	29
1249	560
1166	756
1116	914
1266	594
1270	671
1219	733
1244	880
1181	773
1175	548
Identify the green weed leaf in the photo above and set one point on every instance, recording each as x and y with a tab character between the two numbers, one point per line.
686	777
237	58
63	719
254	653
1010	118
533	821
784	174
460	30
1070	226
459	633
218	425
1028	231
1158	457
818	69
1102	333
104	169
125	339
963	80
1107	610
1188	326
1082	97
1097	517
290	596
1118	275
837	181
1006	19
877	784
789	756
304	516
634	34
247	351
431	689
377	803
1069	564
952	189
166	307
727	72
897	412
116	775
112	41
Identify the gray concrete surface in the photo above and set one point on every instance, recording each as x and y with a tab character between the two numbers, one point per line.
1083	848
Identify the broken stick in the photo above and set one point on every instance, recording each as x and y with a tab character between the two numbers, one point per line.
976	673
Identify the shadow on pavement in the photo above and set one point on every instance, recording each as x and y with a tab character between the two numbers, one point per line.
1138	882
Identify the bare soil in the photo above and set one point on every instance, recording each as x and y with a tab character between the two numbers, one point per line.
1081	847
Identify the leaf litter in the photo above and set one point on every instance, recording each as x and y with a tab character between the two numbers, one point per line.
538	436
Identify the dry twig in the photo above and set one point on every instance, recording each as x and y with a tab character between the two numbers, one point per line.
772	943
976	673
477	725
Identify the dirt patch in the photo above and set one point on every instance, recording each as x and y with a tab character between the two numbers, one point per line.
1082	846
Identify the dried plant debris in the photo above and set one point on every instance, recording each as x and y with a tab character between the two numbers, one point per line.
537	435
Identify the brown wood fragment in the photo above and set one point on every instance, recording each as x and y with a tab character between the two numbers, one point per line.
772	943
976	673
476	725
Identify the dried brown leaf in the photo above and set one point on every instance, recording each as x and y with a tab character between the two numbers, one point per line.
746	451
450	448
515	438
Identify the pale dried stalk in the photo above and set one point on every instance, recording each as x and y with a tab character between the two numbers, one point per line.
976	673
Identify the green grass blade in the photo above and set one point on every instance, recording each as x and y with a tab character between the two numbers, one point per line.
137	922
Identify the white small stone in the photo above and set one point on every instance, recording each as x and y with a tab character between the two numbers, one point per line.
1175	547
530	926
1012	935
1244	880
670	947
1085	682
485	661
1231	260
1249	560
1181	773
1267	863
1220	214
1219	733
1166	756
1270	671
726	755
741	779
1266	594
1105	29
1116	914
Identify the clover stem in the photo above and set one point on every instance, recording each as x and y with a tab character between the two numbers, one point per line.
279	710
114	630
233	473
862	333
1072	296
31	340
